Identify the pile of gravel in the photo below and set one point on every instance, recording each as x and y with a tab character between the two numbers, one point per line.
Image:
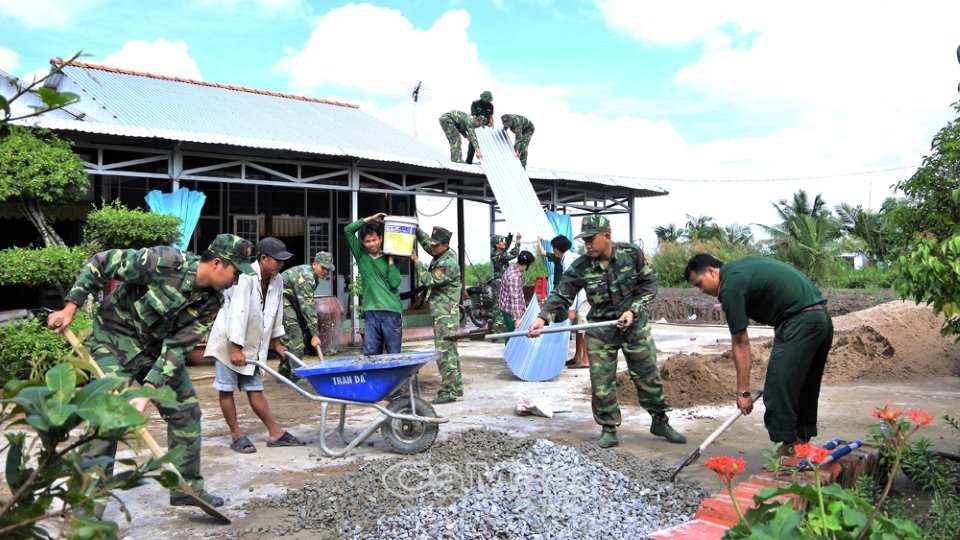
484	484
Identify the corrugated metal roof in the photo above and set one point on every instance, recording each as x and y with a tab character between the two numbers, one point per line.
518	202
132	104
537	359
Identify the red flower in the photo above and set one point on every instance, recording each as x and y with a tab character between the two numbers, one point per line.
813	454
920	417
888	415
726	467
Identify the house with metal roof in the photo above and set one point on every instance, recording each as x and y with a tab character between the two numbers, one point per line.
274	164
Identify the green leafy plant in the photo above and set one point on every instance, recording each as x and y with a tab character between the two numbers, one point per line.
53	486
827	511
114	226
28	349
31	267
51	99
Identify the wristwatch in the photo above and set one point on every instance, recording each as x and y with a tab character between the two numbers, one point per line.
745	393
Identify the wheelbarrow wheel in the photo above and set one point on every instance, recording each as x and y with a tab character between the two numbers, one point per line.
405	436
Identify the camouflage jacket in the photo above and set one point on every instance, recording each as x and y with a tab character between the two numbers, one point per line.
628	283
154	311
299	284
500	260
441	278
463	123
520	124
483	109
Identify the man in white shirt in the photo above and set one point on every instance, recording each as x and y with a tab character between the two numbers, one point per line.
251	320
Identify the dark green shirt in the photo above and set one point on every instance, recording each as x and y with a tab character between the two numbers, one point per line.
441	277
628	283
483	109
154	312
299	286
764	290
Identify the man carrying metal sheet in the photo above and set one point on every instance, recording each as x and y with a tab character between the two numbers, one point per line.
482	112
619	282
522	129
456	125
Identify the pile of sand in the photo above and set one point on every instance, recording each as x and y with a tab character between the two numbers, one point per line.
892	341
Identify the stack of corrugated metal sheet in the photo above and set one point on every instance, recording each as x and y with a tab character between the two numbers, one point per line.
543	358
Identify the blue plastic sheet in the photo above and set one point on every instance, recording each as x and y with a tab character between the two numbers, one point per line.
561	225
537	359
184	204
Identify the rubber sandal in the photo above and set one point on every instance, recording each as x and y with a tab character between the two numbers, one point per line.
287	439
243	445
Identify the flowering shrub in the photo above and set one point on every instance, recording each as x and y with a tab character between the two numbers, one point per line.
819	511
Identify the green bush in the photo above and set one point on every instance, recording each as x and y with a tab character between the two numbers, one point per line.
32	267
28	349
115	226
671	257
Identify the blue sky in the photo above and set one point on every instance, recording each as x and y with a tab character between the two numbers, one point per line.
729	105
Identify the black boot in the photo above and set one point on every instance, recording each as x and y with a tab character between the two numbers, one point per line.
661	428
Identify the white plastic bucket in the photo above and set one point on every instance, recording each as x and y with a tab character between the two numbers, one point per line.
399	235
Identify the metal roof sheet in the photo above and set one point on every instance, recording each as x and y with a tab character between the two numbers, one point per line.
131	104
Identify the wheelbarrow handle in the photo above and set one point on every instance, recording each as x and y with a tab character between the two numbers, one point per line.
293	358
552	329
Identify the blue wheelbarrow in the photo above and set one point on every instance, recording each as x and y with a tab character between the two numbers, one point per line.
407	423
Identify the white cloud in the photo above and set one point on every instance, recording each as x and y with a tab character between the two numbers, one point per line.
9	60
161	57
46	13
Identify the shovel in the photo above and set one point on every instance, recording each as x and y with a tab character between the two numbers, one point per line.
148	439
692	456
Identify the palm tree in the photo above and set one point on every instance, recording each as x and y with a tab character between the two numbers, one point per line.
807	235
670	233
702	228
738	235
864	230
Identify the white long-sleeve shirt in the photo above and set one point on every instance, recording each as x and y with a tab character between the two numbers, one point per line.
249	319
565	263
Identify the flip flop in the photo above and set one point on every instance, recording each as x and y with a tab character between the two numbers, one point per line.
578	366
243	445
287	439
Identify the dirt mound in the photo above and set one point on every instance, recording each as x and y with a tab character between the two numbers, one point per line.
892	341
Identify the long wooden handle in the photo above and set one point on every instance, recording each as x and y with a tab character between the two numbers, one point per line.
147	438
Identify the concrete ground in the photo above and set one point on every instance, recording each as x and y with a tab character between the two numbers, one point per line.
489	403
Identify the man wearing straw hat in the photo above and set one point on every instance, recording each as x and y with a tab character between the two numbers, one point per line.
619	282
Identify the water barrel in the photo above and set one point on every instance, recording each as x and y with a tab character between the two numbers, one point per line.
330	317
399	235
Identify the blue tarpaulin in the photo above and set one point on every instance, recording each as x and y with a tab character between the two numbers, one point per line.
184	204
561	225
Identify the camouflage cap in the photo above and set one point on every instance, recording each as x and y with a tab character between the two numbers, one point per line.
496	239
438	236
592	225
235	250
505	120
486	96
325	259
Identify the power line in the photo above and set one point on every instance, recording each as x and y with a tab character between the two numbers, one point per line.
788	179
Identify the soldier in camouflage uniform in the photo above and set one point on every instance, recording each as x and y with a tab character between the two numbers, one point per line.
619	282
522	133
482	112
500	257
456	125
145	327
442	281
299	313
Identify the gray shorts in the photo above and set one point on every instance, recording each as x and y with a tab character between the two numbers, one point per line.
228	380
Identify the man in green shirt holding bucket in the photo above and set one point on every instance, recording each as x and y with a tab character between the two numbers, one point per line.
380	277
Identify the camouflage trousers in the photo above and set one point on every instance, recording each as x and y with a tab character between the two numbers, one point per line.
454	137
638	348
293	338
446	321
522	142
183	420
498	326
